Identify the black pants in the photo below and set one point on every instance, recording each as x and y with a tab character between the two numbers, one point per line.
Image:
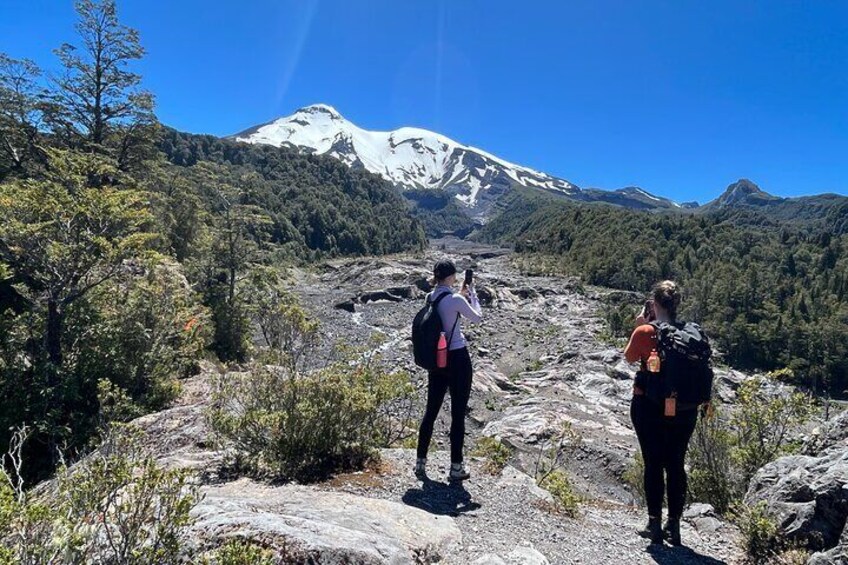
663	442
456	379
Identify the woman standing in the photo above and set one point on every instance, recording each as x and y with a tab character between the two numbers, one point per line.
456	377
663	434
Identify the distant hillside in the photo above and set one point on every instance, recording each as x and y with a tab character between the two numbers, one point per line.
756	281
317	204
745	202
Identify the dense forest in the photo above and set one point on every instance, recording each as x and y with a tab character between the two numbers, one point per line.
771	293
440	212
129	251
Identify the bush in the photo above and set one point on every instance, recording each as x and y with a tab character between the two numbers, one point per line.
759	531
305	426
496	454
712	477
559	485
240	552
726	450
763	423
116	506
634	476
550	476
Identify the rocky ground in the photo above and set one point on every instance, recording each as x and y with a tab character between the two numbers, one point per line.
540	362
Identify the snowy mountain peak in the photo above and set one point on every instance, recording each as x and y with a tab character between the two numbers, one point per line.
412	158
320	109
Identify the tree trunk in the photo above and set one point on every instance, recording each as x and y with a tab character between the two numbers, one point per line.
54	336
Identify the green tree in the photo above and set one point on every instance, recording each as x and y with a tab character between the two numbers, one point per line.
60	238
97	104
19	114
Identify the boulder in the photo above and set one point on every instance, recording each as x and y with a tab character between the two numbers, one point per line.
376	295
808	495
407	292
510	476
347	305
306	525
832	434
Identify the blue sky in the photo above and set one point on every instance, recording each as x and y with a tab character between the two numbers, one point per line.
679	97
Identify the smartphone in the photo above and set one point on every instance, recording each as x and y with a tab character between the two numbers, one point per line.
469	276
649	310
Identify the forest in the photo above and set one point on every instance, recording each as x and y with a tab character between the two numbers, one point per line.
771	292
130	251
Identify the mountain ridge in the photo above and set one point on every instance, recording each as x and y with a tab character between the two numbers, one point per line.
412	158
415	158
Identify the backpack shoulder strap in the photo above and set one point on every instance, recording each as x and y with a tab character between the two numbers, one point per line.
435	302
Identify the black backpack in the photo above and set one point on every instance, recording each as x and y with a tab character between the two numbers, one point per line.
426	328
685	366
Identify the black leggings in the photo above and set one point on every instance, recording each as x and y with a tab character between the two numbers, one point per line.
664	442
457	379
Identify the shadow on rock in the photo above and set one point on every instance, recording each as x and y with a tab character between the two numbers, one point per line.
670	555
444	499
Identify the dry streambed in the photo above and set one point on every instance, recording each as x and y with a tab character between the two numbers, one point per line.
538	365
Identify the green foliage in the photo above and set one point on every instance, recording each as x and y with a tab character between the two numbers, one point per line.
712	476
116	506
19	114
305	426
762	424
727	449
550	475
772	295
241	552
634	476
317	206
559	485
759	532
439	212
97	104
495	453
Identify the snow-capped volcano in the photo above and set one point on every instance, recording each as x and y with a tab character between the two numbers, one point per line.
408	157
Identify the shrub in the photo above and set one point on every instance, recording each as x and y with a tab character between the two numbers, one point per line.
759	531
712	477
763	423
634	476
116	506
496	454
305	426
729	447
549	473
240	552
559	485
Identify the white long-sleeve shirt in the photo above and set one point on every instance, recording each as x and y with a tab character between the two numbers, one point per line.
453	305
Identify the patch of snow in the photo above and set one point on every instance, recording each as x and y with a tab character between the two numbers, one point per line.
408	156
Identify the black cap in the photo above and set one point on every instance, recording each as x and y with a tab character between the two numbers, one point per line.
444	269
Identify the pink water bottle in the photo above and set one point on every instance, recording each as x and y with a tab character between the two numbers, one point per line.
442	352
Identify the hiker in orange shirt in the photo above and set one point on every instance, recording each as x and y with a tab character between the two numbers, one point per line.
663	426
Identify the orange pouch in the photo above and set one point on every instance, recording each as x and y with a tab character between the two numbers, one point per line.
671	406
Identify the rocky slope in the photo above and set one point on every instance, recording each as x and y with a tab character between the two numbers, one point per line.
539	362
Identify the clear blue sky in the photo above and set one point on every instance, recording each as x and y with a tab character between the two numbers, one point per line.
680	97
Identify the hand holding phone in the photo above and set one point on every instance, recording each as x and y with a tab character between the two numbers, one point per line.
469	278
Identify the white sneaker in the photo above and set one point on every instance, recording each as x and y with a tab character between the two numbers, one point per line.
459	472
421	468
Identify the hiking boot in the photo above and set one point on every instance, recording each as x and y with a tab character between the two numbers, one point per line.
421	468
459	472
653	531
672	531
